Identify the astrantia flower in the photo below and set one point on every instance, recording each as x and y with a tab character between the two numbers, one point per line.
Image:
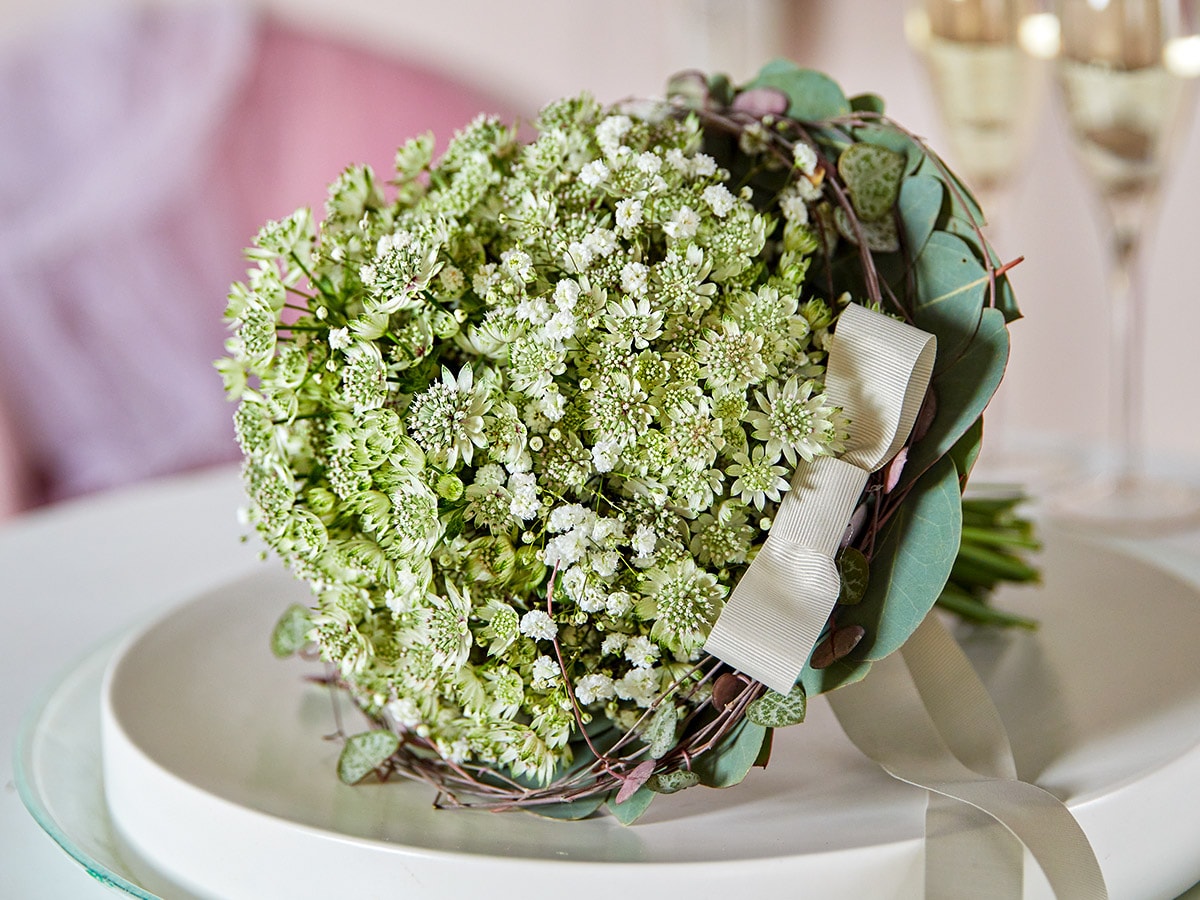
730	359
446	622
502	626
794	421
561	372
756	478
447	419
684	601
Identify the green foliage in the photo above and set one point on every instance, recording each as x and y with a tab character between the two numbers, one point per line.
812	96
629	811
995	541
570	810
872	175
855	574
775	710
363	753
291	631
963	386
732	759
660	733
913	558
673	782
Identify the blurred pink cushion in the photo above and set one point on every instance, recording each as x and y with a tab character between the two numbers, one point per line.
141	152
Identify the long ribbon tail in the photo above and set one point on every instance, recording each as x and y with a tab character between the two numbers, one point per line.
917	712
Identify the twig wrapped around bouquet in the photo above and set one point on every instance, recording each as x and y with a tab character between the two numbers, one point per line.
525	426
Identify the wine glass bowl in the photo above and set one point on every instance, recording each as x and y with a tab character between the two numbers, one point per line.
985	83
1121	82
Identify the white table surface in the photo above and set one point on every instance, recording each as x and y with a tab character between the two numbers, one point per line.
73	575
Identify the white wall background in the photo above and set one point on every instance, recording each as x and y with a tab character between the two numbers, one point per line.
529	51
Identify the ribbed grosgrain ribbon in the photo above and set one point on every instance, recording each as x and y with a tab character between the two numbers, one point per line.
878	371
926	718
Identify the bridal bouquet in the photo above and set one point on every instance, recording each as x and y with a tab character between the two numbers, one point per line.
524	416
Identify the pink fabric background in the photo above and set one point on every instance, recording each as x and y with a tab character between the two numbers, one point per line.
140	153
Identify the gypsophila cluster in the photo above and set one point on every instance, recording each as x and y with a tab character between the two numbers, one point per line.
523	426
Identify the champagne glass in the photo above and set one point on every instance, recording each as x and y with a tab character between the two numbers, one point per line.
1120	73
985	61
981	56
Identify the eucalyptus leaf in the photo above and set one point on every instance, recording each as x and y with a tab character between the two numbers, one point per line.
839	674
775	710
911	563
952	289
728	763
855	573
291	631
813	95
872	175
871	103
572	810
673	782
964	386
920	207
966	449
363	753
632	809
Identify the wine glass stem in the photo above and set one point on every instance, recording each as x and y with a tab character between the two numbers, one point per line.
1126	353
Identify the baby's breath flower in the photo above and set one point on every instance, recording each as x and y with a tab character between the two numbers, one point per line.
594	687
538	625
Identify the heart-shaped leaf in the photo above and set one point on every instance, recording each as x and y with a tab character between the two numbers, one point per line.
291	631
673	782
364	753
634	780
872	175
775	710
660	732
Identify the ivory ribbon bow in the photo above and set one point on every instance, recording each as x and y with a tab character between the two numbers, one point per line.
878	372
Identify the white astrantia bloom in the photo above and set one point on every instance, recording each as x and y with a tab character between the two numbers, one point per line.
793	421
447	419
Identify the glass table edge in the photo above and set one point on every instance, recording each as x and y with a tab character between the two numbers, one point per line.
23	770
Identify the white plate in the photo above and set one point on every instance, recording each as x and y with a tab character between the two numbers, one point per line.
218	771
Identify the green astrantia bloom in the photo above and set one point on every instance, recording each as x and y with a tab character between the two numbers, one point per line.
523	425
